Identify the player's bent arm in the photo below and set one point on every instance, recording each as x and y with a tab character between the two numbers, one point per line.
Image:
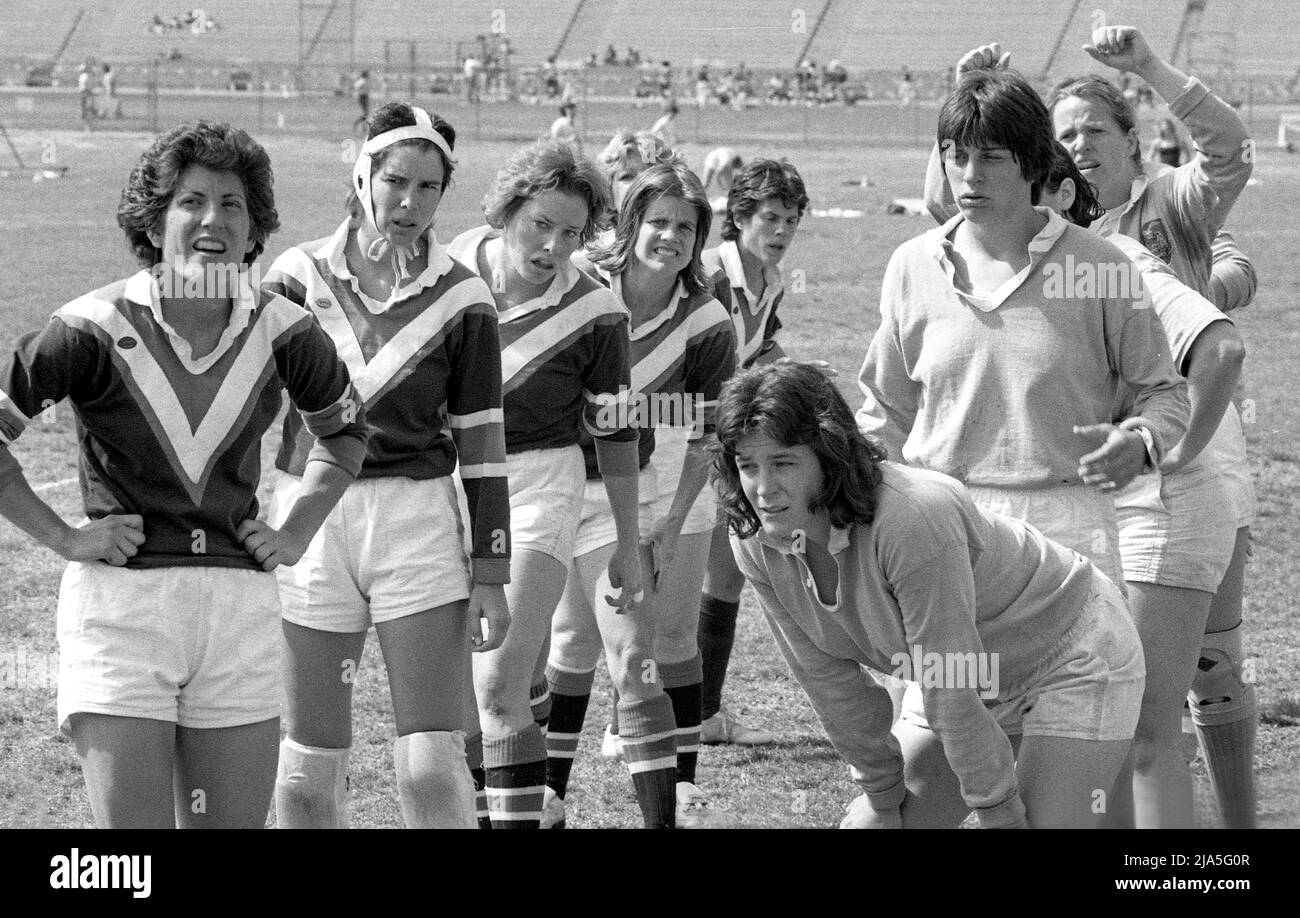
856	713
111	538
1213	366
1232	278
936	598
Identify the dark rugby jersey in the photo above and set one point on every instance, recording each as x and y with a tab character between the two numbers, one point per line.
175	439
564	358
428	366
754	317
680	359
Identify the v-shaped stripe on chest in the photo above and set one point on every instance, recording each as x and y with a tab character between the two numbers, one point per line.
192	453
385	368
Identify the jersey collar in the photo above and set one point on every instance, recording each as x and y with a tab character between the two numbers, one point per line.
142	289
939	245
729	255
334	251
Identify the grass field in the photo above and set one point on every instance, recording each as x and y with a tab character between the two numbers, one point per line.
59	239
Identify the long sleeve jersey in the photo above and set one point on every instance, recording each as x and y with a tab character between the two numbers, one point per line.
680	360
1176	213
932	574
564	358
174	438
988	390
428	364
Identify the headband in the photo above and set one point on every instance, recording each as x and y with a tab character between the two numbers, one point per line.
361	169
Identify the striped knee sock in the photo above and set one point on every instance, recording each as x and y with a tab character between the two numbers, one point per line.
474	758
648	734
539	700
516	778
683	684
570	694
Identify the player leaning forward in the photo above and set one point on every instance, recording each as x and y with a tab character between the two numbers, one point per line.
1031	671
168	620
418	331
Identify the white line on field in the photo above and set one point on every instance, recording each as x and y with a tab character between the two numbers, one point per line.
51	485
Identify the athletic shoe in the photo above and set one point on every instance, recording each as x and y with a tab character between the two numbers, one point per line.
611	747
723	728
552	810
693	810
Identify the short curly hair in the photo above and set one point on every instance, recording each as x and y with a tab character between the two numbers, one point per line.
548	166
795	404
649	147
220	147
755	183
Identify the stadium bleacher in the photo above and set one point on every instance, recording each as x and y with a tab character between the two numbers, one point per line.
878	35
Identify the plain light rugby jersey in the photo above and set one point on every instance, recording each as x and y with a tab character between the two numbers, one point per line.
172	438
988	389
427	362
935	571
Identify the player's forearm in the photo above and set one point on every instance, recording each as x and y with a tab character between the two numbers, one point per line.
323	483
1166	80
20	505
618	470
695	474
1214	366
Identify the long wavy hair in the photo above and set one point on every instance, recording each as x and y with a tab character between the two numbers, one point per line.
796	405
665	180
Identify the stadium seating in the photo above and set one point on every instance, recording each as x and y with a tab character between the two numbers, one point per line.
877	35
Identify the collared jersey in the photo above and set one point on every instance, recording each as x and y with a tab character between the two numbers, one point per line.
427	362
933	571
680	360
1176	213
564	357
753	316
988	388
174	439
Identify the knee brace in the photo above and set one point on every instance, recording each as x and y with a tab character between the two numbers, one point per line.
434	784
311	787
1218	694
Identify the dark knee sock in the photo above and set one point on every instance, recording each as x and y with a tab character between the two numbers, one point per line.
717	635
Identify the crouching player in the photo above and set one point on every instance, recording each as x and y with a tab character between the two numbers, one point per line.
1034	697
169	621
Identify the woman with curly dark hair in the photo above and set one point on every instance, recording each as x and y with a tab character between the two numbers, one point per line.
168	620
1030	670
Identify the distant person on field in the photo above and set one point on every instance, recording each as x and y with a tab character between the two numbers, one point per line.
472	69
86	95
361	89
664	126
111	106
719	169
562	129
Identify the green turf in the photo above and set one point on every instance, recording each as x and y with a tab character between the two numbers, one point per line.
60	240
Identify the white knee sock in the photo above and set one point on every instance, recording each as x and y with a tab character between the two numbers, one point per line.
433	781
311	787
